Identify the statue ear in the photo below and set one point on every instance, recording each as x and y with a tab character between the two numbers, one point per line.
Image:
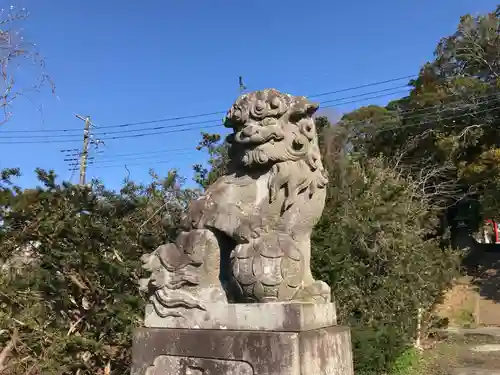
302	110
311	108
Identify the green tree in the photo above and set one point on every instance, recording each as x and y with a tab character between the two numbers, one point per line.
444	132
218	162
73	307
371	246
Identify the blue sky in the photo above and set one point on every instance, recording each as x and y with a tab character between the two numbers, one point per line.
126	61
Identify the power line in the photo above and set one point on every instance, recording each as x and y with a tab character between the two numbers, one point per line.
112	138
80	153
368	98
155	133
436	113
224	112
75	159
117	126
309	96
134	155
184	124
175	126
163	120
360	95
168	119
98	134
219	123
339	99
137	164
376	131
99	161
433	121
426	109
494	97
151	152
362	86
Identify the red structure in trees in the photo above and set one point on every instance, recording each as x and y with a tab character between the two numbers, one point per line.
495	229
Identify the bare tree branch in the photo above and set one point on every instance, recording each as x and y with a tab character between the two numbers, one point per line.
14	52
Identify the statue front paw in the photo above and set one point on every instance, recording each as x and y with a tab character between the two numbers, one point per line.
316	292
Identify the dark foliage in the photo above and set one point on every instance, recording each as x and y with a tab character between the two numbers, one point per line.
71	260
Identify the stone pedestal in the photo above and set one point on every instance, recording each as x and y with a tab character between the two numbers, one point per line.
258	339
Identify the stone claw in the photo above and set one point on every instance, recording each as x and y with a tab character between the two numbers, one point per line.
317	292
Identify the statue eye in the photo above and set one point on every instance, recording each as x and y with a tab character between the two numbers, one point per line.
297	146
275	103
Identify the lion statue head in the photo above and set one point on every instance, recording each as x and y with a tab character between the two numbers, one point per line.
277	130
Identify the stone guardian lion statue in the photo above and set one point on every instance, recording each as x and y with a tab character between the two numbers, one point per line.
247	239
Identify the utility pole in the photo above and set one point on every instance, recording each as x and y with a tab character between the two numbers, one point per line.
85	151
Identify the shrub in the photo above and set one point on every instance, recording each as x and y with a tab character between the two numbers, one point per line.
73	309
373	245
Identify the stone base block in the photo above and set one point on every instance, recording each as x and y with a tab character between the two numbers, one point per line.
168	351
252	316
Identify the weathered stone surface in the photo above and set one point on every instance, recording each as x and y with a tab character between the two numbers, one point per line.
326	351
223	352
235	293
291	317
184	275
247	239
166	364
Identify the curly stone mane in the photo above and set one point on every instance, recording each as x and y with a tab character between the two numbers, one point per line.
276	130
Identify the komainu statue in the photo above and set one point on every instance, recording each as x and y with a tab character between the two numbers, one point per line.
247	239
